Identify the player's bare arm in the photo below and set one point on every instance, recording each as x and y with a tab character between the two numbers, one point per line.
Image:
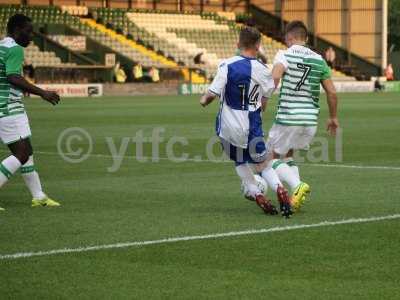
20	82
277	73
332	123
207	98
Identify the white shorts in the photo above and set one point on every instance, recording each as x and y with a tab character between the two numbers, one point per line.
14	128
282	138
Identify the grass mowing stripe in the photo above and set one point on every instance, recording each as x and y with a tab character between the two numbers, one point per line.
227	161
195	237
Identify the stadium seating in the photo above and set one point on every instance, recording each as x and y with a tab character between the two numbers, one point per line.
75	10
175	39
180	22
38	14
52	15
110	39
33	54
144	54
182	36
87	27
119	21
41	58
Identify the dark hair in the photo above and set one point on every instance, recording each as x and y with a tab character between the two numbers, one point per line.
249	37
17	20
298	29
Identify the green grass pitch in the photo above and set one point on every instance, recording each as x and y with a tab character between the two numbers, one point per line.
145	201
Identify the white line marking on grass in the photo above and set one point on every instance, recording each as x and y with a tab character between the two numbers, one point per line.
327	165
351	166
195	237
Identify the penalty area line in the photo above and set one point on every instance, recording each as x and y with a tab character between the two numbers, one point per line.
195	237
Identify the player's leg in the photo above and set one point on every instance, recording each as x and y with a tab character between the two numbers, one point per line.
271	177
252	190
11	164
247	177
16	128
289	160
268	173
282	140
32	181
285	173
300	140
300	190
259	155
240	157
9	134
8	167
279	143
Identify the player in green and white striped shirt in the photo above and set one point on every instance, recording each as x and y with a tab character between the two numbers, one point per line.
15	131
301	71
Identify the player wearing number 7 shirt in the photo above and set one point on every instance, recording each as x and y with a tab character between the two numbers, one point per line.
301	71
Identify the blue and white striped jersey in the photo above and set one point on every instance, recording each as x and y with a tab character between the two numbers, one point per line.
241	82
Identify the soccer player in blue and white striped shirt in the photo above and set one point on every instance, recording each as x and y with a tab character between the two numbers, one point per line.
242	83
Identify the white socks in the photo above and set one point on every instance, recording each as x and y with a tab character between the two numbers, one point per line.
246	174
291	163
7	168
286	173
32	180
271	177
11	164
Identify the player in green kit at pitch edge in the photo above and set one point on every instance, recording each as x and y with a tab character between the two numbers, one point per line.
14	124
302	71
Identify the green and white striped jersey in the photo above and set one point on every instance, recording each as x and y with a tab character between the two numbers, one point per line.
300	89
11	61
